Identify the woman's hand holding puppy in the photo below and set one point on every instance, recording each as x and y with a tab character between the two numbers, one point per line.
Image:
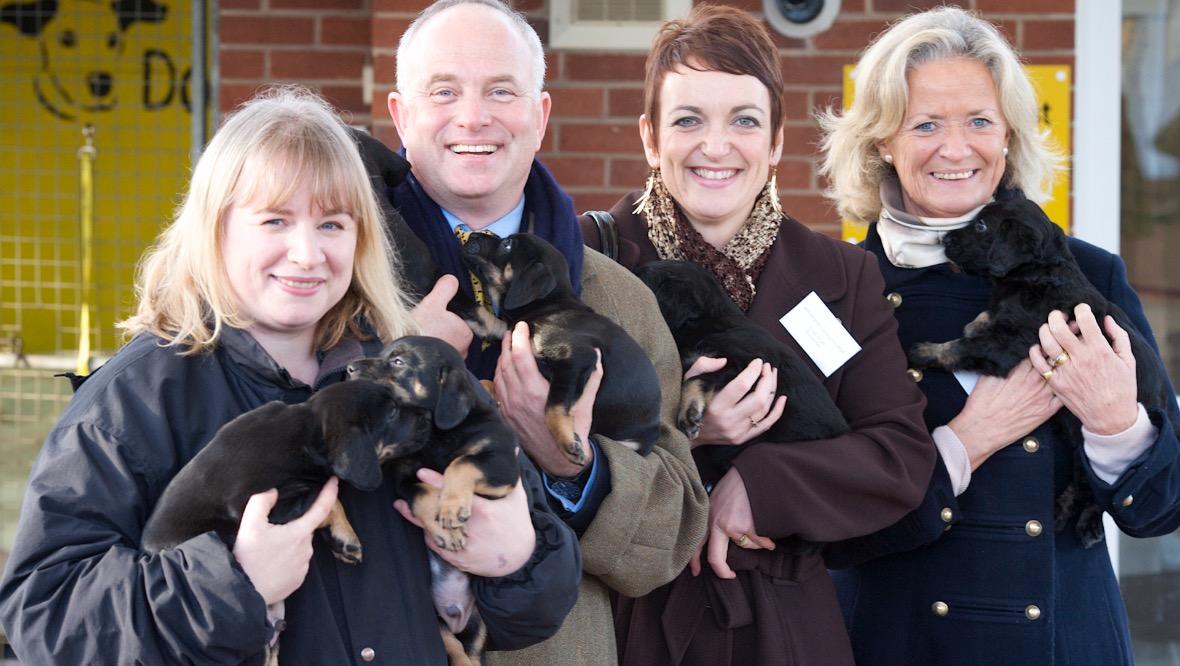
276	557
500	533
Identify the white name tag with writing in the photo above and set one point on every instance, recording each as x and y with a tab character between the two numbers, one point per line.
820	334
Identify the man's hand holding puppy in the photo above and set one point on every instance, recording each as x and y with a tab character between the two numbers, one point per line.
521	391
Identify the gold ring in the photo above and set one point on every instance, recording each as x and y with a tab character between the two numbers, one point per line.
753	423
1061	359
1047	375
743	541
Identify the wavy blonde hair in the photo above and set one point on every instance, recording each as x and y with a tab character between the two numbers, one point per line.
853	167
267	149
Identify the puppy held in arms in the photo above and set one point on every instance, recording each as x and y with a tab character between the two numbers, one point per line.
1034	273
528	280
293	448
705	322
459	435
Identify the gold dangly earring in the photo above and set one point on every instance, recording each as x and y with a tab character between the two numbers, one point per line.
772	191
648	192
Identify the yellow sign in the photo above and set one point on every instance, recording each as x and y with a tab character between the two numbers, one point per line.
95	134
1052	83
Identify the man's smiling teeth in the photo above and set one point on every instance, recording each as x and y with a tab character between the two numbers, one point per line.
465	148
962	175
709	174
298	284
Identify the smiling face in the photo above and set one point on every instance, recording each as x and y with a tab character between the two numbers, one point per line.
471	116
287	264
716	146
949	152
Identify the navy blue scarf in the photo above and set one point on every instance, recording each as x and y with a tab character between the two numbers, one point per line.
548	209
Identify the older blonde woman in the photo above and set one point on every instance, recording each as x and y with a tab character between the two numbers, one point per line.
944	121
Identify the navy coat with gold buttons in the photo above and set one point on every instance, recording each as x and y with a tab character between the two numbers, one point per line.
982	578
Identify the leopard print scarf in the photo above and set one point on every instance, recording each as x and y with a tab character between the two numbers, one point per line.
738	265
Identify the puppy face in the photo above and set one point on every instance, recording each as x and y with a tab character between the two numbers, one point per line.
1007	235
687	292
517	271
357	422
425	373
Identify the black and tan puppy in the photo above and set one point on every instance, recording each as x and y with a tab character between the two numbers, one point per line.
386	171
528	280
705	322
294	448
1034	273
467	442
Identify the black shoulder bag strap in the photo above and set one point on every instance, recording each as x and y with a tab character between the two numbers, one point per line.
608	233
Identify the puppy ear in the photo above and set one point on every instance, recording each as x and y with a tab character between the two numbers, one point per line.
534	282
356	458
455	398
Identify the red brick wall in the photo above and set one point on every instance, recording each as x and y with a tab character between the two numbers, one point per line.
592	144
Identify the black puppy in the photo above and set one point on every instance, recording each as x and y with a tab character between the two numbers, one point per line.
294	448
386	171
462	437
1034	272
528	280
705	322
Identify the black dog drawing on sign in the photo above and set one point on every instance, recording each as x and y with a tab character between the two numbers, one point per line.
1034	272
81	43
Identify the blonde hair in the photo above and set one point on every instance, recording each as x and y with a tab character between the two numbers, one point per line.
282	138
851	163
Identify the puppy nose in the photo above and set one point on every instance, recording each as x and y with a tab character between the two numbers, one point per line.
454	611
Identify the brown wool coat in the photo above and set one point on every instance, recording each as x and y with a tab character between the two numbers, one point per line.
651	522
782	610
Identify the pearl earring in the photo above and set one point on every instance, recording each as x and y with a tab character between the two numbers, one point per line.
1005	151
888	158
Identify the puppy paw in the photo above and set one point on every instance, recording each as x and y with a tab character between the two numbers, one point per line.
927	355
574	451
348	552
690	419
453	540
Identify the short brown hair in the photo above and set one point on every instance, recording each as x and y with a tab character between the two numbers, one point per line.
714	38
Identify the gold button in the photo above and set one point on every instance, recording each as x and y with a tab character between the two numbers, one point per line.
1128	500
947	515
1033	528
894	299
1031	444
368	654
1032	612
915	374
940	608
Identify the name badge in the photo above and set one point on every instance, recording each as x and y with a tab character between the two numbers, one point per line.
820	334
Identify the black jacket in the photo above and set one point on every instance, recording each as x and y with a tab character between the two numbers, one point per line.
77	588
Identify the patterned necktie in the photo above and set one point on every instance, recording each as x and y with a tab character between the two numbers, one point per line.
480	296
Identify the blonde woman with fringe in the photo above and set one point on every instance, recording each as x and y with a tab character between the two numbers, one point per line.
944	121
275	273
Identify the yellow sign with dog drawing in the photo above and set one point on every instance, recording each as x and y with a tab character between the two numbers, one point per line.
119	70
1052	83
